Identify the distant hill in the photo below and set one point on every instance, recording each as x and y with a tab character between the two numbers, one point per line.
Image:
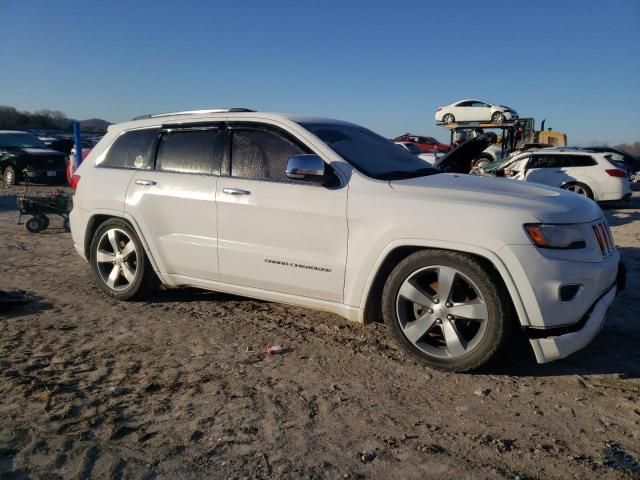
94	125
13	119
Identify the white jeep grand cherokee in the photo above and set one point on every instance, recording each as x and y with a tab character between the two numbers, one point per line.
329	215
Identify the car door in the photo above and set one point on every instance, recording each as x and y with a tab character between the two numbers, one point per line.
128	152
548	169
274	233
460	111
477	111
174	204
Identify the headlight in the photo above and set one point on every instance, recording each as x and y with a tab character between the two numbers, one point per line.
555	236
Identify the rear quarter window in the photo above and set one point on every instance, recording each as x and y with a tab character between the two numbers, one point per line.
132	149
580	161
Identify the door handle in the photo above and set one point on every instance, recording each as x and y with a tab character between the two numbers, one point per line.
146	182
235	191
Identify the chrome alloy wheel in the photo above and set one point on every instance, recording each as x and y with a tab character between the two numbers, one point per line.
117	259
441	311
579	189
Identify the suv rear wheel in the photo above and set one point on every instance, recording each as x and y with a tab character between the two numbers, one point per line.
446	309
119	263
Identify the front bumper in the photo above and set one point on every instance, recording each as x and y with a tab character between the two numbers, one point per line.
557	343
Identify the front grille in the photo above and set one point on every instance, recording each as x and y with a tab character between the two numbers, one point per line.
604	238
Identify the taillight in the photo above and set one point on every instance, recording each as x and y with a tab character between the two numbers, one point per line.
74	181
616	172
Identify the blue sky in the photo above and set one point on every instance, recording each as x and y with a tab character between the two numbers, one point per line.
386	65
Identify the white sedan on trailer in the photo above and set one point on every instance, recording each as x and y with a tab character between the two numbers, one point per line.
474	111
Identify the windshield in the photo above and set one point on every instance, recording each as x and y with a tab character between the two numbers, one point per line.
413	148
373	155
20	140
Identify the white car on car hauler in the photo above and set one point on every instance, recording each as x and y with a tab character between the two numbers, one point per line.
328	215
474	111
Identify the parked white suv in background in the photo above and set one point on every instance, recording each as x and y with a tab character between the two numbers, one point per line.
588	173
328	215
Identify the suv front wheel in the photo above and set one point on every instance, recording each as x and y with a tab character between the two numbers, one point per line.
446	309
119	263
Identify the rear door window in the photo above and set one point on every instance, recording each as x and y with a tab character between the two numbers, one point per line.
132	149
262	154
546	161
579	161
190	151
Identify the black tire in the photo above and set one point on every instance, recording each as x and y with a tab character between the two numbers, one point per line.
9	176
44	220
34	225
579	188
145	281
448	118
499	322
498	117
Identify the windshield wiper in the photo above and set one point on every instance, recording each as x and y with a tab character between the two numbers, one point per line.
404	174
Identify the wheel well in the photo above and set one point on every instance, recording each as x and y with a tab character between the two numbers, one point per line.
92	225
373	305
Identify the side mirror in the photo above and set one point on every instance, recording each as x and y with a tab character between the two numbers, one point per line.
308	168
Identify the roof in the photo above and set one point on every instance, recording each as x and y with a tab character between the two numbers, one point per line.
214	115
12	131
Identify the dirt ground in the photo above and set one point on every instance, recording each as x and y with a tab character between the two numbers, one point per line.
180	387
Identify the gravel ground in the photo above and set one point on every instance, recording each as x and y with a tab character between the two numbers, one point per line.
180	387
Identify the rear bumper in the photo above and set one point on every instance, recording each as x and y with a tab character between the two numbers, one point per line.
562	342
78	224
615	192
52	175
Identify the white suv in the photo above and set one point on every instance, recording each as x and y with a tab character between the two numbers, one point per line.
329	215
591	174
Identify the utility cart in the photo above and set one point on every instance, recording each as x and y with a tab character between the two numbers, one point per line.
39	209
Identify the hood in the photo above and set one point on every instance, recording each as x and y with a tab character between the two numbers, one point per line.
459	159
40	152
547	204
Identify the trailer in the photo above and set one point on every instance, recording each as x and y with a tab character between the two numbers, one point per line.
514	135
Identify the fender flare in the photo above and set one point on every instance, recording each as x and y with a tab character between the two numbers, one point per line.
128	218
475	250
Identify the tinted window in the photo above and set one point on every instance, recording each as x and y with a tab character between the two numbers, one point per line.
21	140
547	161
413	148
579	161
132	149
261	154
464	104
370	153
190	151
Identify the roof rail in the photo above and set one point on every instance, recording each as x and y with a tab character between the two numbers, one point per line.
192	112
